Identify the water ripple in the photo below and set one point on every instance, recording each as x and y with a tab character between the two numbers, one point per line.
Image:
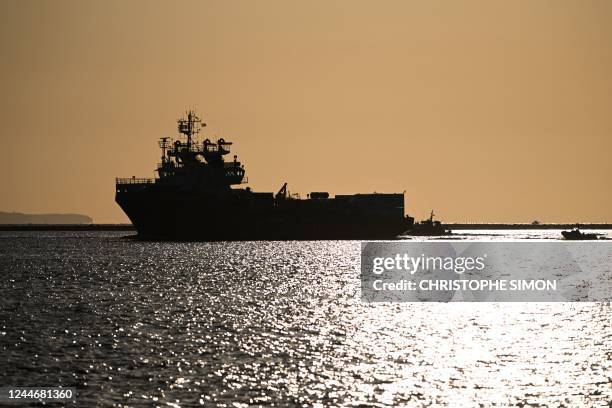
274	323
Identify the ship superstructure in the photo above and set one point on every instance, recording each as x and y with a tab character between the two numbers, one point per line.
197	195
197	165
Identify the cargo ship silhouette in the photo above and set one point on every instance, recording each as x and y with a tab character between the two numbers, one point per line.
193	198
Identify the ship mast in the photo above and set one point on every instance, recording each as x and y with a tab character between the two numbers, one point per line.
164	144
190	126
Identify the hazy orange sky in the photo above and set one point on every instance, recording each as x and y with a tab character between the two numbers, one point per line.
483	110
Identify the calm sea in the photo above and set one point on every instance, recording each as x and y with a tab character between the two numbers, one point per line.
276	324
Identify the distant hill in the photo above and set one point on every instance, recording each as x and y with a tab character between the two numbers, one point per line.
18	218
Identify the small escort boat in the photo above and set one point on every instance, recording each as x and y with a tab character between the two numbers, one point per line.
428	227
575	235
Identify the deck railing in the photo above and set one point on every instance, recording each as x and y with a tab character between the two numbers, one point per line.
134	180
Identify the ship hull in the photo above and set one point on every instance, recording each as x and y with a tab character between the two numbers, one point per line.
200	217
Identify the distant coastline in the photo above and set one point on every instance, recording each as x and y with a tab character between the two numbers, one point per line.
67	227
519	226
452	226
15	218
